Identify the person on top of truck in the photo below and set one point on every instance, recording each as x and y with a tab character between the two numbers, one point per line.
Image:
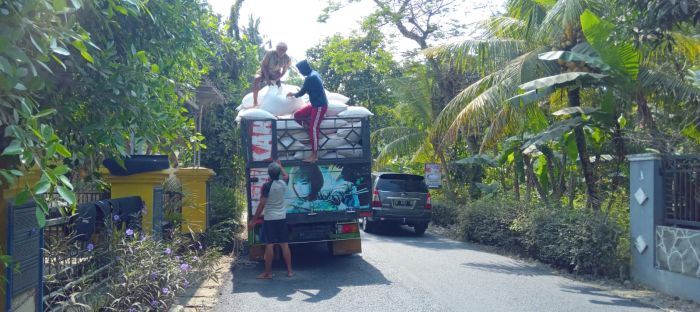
274	65
310	116
274	228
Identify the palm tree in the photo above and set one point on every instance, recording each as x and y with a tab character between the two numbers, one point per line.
410	138
512	53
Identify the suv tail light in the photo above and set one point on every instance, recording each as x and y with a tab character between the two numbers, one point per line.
428	204
375	199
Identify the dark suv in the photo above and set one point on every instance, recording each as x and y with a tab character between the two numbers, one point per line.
399	198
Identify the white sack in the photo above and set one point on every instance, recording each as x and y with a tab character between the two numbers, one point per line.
306	154
333	123
247	101
277	102
331	143
299	134
352	134
290	144
335	107
255	114
355	112
337	97
332	155
356	150
288	123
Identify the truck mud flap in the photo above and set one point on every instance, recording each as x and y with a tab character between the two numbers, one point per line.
347	247
256	252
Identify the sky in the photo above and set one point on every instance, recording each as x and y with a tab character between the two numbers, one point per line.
294	21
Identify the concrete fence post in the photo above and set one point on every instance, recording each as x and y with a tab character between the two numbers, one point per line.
646	214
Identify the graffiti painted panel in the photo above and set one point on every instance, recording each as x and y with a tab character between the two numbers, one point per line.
261	139
318	188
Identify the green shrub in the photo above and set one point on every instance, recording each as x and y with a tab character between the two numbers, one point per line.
227	208
223	235
488	221
444	213
581	241
226	204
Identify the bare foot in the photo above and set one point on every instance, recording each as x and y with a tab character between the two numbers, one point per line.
264	276
290	274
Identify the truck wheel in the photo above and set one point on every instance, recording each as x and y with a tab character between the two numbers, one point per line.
420	228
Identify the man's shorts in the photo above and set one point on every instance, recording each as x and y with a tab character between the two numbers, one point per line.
275	231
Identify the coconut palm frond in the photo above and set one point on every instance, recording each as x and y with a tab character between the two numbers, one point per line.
480	55
404	146
504	27
504	122
414	95
425	153
566	13
660	82
686	45
484	98
531	12
390	134
480	109
675	43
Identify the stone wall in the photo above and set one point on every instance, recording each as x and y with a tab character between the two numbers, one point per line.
678	250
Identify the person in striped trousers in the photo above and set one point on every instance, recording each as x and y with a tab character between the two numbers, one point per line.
311	115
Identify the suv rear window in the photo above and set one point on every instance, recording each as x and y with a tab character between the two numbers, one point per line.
401	183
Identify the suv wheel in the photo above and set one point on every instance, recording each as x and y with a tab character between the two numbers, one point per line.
420	228
368	226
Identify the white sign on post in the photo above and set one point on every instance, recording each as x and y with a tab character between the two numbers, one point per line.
433	176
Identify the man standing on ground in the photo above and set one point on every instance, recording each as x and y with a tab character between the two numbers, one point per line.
311	116
274	65
274	228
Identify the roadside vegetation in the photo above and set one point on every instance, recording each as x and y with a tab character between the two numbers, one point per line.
531	119
542	108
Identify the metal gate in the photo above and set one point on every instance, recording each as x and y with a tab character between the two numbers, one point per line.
25	247
681	184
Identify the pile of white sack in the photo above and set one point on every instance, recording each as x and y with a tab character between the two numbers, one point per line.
342	136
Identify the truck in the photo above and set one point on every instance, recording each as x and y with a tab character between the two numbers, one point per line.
325	199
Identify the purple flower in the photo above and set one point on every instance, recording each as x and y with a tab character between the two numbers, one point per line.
90	247
143	237
168	251
129	232
132	309
185	267
116	218
195	259
154	303
154	275
186	284
165	290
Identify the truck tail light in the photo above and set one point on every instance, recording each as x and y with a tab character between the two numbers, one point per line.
428	204
348	228
375	199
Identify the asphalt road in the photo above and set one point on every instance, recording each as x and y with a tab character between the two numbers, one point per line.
398	271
